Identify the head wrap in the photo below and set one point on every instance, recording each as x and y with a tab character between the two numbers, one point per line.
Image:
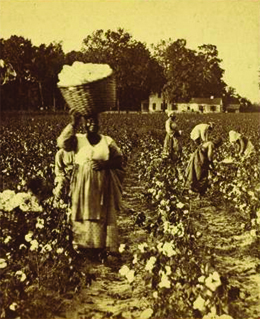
171	114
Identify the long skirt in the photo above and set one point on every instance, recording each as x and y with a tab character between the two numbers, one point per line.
171	148
197	172
94	216
95	234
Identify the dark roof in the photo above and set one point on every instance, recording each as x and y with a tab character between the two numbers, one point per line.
198	100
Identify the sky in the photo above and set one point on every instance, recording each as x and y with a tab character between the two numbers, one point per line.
232	25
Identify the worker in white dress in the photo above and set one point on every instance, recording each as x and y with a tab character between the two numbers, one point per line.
200	133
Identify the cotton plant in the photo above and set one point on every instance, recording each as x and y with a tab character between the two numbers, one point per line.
35	247
167	262
9	200
240	186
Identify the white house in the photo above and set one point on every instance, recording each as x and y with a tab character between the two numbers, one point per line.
157	103
186	107
206	105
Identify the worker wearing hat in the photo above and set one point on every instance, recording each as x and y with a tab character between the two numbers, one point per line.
172	148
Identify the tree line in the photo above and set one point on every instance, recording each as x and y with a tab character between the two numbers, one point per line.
169	67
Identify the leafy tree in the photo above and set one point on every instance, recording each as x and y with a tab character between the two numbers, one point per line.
137	74
73	56
17	51
245	104
36	71
189	73
230	96
47	63
209	72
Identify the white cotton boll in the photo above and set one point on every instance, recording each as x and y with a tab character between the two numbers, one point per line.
124	270
135	260
21	275
7	239
168	249
28	237
213	281
13	306
155	294
130	276
201	279
168	270
147	313
150	264
142	247
3	263
180	205
121	248
60	250
34	245
165	282
199	304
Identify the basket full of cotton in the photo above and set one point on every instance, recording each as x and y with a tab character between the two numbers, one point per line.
88	87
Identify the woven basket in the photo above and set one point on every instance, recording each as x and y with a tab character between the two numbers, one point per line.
92	97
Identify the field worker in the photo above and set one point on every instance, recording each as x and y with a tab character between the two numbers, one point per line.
96	187
200	132
200	163
243	146
63	169
172	148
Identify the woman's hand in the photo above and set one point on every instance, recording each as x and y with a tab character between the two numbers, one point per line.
99	165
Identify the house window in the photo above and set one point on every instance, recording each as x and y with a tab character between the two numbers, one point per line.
154	106
159	95
161	106
213	108
201	108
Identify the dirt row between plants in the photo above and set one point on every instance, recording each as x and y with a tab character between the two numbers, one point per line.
236	253
110	295
236	257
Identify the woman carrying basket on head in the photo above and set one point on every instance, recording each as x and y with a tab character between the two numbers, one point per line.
96	181
96	185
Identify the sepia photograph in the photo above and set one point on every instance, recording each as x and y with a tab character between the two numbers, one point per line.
130	159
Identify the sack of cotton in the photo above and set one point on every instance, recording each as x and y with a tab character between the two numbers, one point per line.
88	87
